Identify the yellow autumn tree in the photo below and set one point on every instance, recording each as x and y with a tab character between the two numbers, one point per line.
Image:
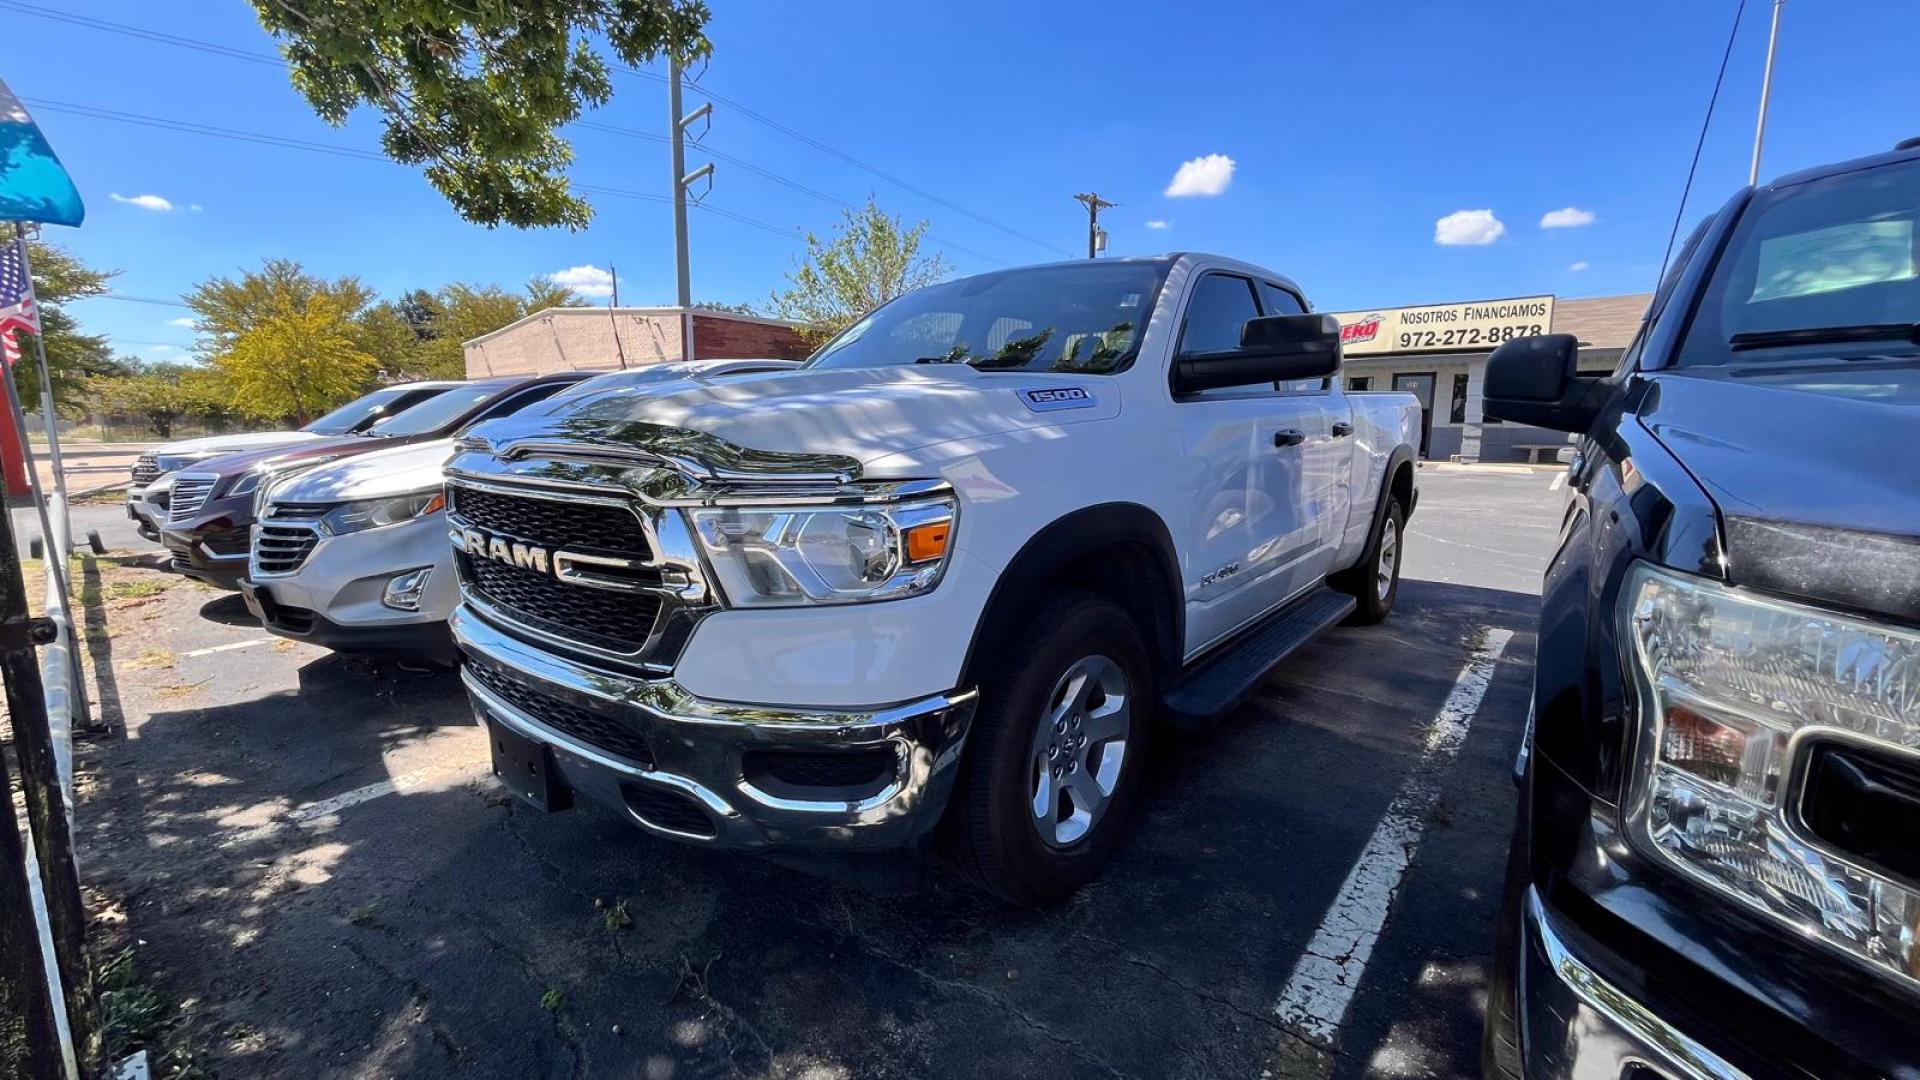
300	360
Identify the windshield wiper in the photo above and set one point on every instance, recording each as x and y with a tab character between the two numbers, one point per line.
1825	335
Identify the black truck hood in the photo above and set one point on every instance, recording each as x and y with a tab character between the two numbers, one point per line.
1811	466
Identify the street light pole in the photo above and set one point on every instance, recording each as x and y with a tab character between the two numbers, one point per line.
1766	94
1094	204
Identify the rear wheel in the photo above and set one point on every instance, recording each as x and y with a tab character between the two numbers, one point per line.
1055	754
1374	582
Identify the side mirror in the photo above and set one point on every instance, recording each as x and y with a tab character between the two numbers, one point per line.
1536	380
1272	349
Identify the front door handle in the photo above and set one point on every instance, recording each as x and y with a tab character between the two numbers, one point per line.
1289	437
1342	429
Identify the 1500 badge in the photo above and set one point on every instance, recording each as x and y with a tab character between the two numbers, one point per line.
1049	398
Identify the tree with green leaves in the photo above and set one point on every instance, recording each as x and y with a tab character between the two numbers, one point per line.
463	312
72	356
297	360
475	91
871	259
163	394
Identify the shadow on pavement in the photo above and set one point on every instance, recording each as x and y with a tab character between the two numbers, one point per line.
451	931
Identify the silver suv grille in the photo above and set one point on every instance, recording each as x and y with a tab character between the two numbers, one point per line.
146	469
283	541
190	491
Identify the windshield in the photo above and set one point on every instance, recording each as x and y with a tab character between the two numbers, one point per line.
350	417
438	411
1085	318
1828	268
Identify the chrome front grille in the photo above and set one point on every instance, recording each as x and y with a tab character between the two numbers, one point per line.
190	491
146	469
284	539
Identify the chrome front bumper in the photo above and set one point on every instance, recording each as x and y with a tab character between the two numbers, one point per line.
699	750
1576	1024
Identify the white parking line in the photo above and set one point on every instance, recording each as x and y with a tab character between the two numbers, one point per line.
463	768
1326	977
1559	481
230	646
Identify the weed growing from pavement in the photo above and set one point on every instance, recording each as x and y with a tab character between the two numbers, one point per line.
153	660
617	918
133	1016
362	915
138	589
553	999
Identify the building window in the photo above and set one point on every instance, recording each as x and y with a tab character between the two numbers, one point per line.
1360	382
1457	411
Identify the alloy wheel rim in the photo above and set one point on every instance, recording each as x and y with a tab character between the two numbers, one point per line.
1389	558
1079	748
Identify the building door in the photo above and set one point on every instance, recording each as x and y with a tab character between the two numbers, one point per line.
1420	386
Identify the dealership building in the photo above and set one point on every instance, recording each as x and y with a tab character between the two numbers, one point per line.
599	338
1438	352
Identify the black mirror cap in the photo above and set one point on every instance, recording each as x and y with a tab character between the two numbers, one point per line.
1273	349
1538	368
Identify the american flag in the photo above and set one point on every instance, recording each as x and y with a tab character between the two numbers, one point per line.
9	346
17	310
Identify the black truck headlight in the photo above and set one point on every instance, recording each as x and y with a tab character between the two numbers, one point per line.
1746	704
792	556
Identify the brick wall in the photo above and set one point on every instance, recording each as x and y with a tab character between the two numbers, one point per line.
718	338
596	339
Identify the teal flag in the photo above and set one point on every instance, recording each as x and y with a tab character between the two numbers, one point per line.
34	186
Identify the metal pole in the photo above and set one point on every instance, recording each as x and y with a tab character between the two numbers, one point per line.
1094	204
28	1034
683	282
47	815
1766	94
56	564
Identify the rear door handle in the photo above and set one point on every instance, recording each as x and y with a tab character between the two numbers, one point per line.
1289	437
1342	429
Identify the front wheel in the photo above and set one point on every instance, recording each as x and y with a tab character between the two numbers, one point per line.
1056	753
1374	582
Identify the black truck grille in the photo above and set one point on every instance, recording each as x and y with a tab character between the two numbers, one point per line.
617	622
604	619
551	523
594	729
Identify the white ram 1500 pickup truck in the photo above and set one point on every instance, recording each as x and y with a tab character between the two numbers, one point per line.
949	571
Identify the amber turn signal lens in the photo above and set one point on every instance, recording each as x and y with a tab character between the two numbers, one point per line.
926	543
438	502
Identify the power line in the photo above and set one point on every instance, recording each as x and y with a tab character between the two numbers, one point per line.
859	164
135	299
229	52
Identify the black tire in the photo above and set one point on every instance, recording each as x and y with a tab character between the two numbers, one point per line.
1362	580
1500	1038
994	836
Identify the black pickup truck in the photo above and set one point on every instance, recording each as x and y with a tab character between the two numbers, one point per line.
1716	866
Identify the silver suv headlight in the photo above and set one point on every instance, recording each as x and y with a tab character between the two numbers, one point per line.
363	514
1738	692
794	556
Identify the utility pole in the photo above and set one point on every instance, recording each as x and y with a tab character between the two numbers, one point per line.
682	181
1766	93
1094	204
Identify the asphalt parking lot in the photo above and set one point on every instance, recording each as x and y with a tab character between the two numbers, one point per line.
317	876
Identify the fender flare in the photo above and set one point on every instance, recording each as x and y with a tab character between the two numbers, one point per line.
1068	540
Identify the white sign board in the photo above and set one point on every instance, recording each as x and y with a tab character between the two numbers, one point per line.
1471	327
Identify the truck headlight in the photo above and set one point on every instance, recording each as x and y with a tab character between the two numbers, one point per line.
789	556
366	514
1737	694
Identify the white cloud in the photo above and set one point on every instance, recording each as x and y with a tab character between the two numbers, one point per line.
1470	228
1158	224
184	320
1208	175
195	207
162	351
144	202
1570	217
1578	266
588	280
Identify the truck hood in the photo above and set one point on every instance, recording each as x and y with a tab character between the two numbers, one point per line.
227	444
399	470
857	414
1807	464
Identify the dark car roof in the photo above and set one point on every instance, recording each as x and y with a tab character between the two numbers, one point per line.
1836	168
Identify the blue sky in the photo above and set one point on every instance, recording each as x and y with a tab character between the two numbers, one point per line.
1352	129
